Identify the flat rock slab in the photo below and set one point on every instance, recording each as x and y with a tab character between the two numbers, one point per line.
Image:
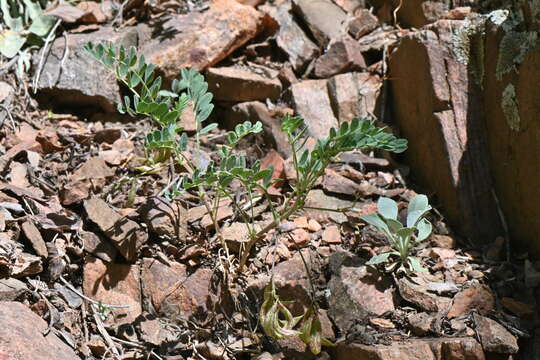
114	284
325	20
200	40
291	38
21	336
343	54
436	349
242	84
78	79
173	292
358	293
126	235
312	102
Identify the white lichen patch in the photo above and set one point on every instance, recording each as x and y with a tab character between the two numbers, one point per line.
513	48
510	107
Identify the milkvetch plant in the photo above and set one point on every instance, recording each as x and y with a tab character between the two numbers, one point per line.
212	181
402	238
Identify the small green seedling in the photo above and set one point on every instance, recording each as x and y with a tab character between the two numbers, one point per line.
402	238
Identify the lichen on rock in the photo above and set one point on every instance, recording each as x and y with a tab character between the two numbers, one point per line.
512	50
510	107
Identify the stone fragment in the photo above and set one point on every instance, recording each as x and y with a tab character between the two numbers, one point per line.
477	297
335	183
299	238
274	160
311	101
239	84
354	95
94	168
494	337
325	20
358	292
378	39
151	331
314	226
428	349
342	55
331	235
443	241
318	199
24	336
447	111
417	295
290	37
34	236
98	247
79	79
126	235
351	6
362	23
96	13
174	293
114	284
421	323
164	218
11	289
6	92
200	40
236	236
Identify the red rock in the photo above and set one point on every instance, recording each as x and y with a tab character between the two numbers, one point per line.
165	219
79	79
114	284
236	235
318	199
94	168
421	323
300	239
354	95
173	292
382	323
494	337
445	111
335	183
362	23
478	297
98	247
442	254
311	101
301	222
290	37
443	241
314	226
23	336
436	349
418	295
34	236
239	84
359	293
331	235
458	13
324	19
126	235
199	40
274	159
342	55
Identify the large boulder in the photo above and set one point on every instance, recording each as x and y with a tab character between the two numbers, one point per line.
22	336
200	40
472	123
437	105
512	105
